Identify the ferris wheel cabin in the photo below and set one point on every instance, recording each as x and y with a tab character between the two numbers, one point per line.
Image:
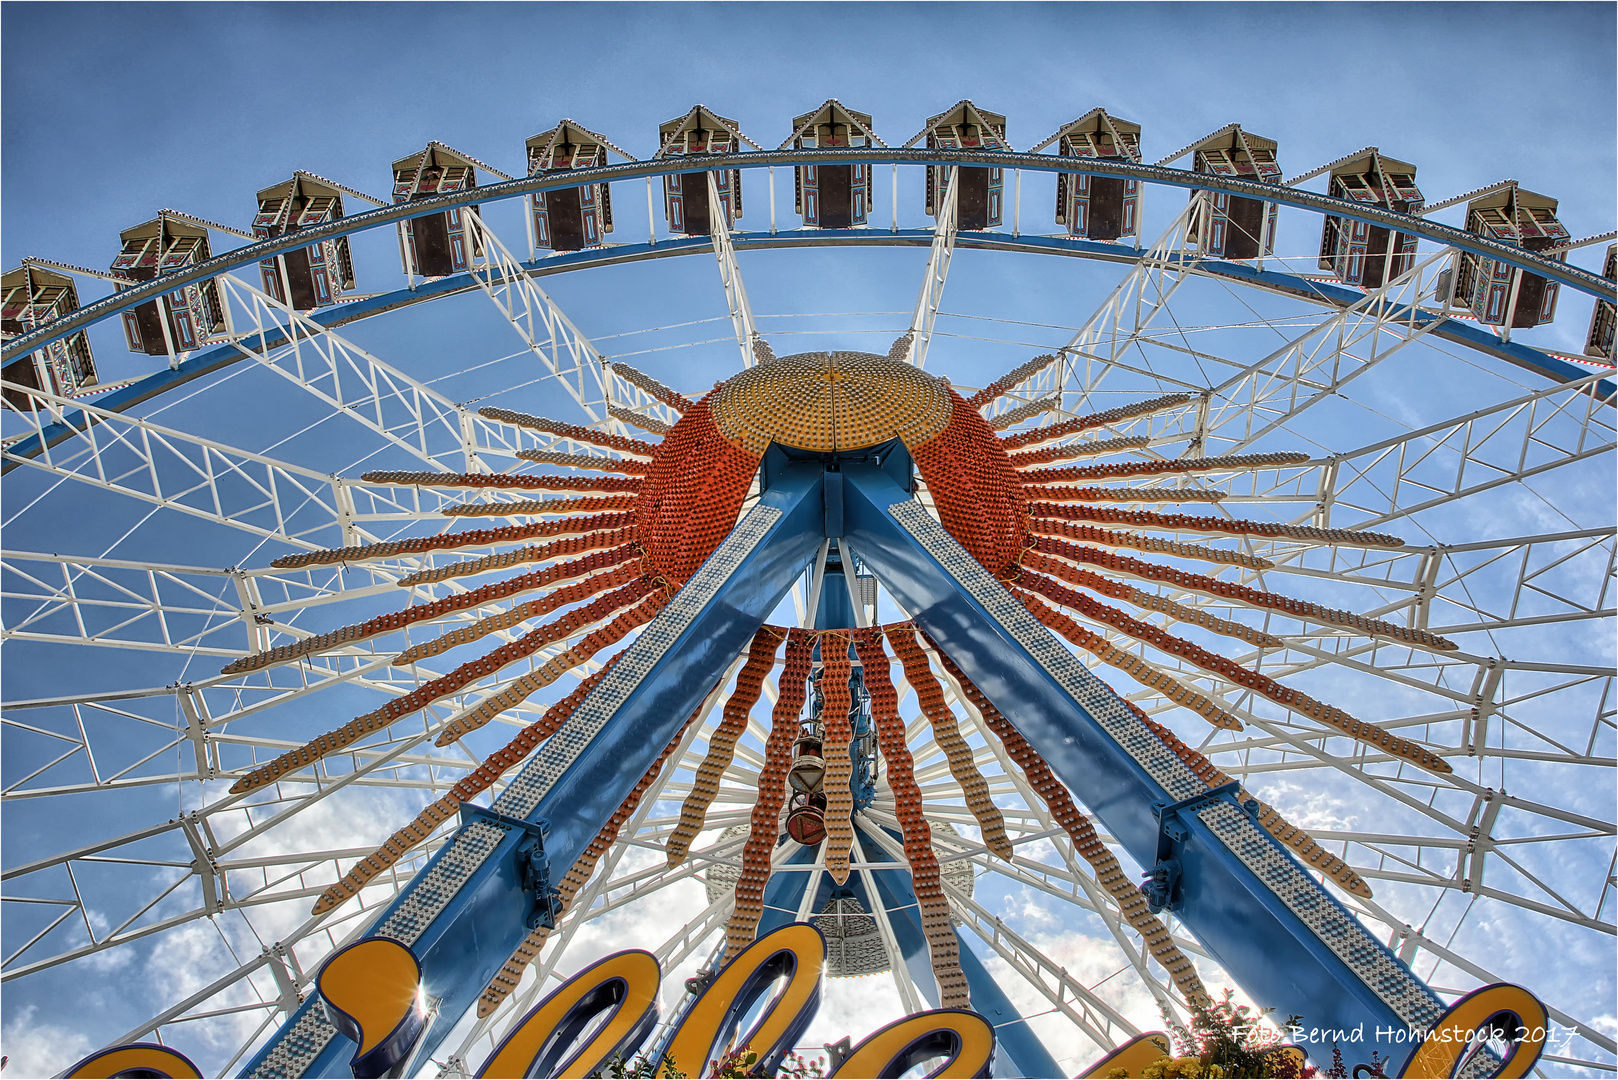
1599	343
1235	227
1360	253
436	245
570	218
34	297
980	202
832	196
1496	293
686	203
194	316
1097	207
311	277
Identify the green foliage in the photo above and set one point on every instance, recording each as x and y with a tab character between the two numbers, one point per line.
741	1062
1229	1040
640	1066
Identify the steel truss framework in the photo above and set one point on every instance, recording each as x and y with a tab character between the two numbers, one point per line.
1507	712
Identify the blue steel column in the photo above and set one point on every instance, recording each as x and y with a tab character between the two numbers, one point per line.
1016	1044
1284	939
463	913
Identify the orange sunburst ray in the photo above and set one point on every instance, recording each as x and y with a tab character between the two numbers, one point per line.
1026	411
429	692
619	542
1051	494
624	617
1294	700
447	605
925	877
1187	523
594	462
1134	410
793	685
570	431
637	378
1026	459
1109	873
468	787
1118	590
419	545
640	420
1109	538
519	613
1116	470
1011	379
504	481
537	507
722	743
838	735
948	735
510	973
1255	598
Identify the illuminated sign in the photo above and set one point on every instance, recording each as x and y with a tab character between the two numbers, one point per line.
372	992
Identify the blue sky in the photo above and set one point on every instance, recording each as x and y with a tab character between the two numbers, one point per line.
108	112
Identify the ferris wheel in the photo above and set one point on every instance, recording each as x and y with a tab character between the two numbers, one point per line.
1271	487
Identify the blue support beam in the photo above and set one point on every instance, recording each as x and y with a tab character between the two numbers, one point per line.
464	913
1018	1051
1285	940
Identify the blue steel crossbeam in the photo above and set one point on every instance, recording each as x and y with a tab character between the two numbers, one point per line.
465	912
1281	936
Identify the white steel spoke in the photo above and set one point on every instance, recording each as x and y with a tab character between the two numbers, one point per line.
730	274
402	410
938	260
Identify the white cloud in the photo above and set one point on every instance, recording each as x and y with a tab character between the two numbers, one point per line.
39	1049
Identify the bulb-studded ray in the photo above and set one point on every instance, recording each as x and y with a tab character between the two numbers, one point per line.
395	620
1123	494
838	735
1142	599
942	944
1201	583
640	420
772	786
1075	531
503	481
1024	412
1143	671
1039	511
510	973
570	431
1010	380
643	594
571	526
614	542
1110	874
1036	436
1114	470
519	613
672	398
948	734
593	462
523	686
722	743
1072	451
1295	700
1268	817
538	507
469	786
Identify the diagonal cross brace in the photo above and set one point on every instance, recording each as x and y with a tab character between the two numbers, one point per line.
1285	940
